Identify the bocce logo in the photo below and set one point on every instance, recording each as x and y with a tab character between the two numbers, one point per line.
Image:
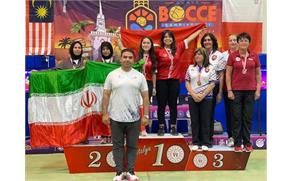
141	17
177	13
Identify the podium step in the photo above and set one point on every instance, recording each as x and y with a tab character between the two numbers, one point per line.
258	142
217	158
155	153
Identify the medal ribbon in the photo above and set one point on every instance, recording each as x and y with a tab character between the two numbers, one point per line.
244	69
168	51
199	75
145	57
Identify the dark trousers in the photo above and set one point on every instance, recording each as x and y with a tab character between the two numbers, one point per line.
167	93
227	104
242	112
150	88
150	91
215	92
200	121
119	131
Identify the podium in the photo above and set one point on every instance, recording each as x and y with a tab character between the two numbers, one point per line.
165	153
155	153
217	158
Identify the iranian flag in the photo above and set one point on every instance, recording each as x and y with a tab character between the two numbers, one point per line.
64	106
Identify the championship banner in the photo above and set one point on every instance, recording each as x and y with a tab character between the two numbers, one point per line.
65	105
95	21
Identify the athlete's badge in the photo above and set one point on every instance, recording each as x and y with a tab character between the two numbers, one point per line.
214	57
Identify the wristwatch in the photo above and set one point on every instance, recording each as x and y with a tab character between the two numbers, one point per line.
146	116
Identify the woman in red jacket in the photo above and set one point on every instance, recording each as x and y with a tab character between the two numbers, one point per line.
168	74
149	69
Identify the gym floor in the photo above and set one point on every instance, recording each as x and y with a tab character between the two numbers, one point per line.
53	167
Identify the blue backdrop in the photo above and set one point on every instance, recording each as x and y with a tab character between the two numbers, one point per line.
43	62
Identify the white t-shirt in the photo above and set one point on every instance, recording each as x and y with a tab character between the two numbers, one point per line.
219	61
204	76
126	88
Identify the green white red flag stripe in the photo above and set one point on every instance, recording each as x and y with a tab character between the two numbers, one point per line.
64	106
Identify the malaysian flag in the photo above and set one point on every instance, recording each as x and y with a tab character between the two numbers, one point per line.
39	27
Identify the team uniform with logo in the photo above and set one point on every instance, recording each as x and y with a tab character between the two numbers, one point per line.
148	72
199	79
243	85
219	63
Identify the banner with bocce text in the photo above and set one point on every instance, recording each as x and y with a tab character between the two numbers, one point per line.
98	20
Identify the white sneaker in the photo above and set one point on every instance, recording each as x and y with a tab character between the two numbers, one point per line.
131	176
143	133
230	142
195	147
103	140
60	148
205	148
119	177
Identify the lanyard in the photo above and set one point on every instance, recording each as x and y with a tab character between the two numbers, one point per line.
199	75
244	69
146	58
171	61
168	51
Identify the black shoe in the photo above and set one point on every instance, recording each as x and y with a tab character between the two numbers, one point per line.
160	131
173	131
86	142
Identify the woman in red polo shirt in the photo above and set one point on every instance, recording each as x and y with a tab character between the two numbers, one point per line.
168	74
243	81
